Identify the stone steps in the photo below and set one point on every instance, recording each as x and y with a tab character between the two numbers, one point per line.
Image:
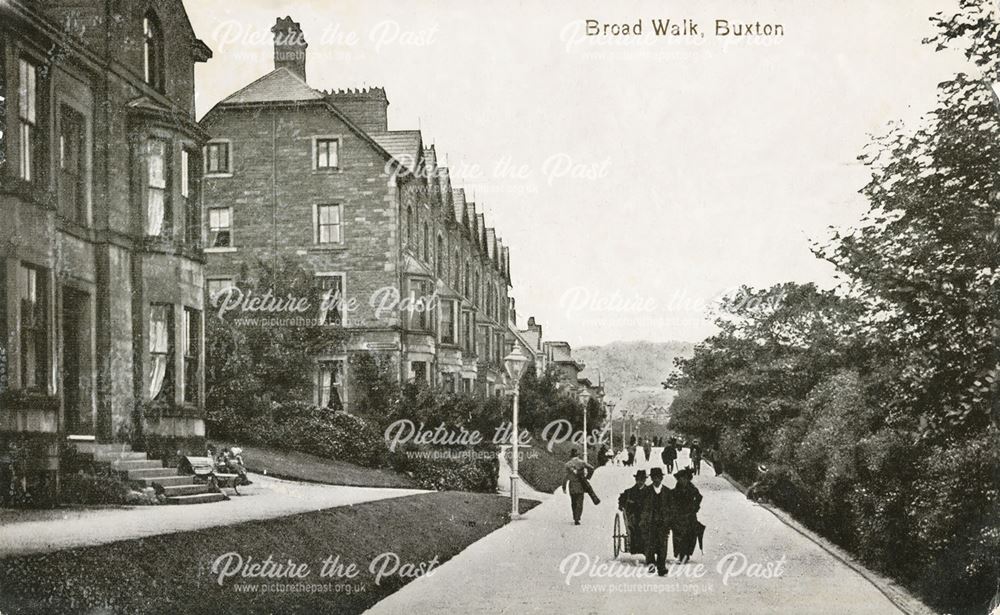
166	481
141	471
111	457
197	498
151	473
124	465
190	489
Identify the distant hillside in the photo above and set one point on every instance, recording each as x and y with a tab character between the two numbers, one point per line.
633	371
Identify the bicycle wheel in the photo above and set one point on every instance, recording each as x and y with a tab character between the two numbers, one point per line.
617	536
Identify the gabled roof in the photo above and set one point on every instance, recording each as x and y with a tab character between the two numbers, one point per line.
406	146
279	85
491	244
470	216
481	231
412	266
458	200
430	156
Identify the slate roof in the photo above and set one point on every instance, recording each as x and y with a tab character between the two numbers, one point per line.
279	85
403	145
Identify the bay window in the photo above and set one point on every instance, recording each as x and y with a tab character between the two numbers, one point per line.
27	113
34	322
160	352
156	187
448	324
190	348
72	165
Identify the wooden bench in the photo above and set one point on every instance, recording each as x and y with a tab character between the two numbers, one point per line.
203	469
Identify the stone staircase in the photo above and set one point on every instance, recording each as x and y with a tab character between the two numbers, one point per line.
144	472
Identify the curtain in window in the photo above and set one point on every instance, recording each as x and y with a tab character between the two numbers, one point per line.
156	187
329	385
158	347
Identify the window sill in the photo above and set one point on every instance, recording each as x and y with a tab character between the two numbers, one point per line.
219	250
216	175
327	171
327	247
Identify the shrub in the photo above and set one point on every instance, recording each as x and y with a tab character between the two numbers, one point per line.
83	488
462	469
310	429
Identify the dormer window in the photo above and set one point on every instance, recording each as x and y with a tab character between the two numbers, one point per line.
153	64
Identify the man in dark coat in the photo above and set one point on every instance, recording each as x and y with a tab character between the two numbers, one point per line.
687	502
656	520
578	472
630	502
695	453
669	455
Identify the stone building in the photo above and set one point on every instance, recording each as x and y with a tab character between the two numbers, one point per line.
100	265
318	177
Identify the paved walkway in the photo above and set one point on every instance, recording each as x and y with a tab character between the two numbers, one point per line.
517	568
265	499
525	491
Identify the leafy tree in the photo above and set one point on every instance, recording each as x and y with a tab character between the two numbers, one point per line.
250	364
873	404
925	255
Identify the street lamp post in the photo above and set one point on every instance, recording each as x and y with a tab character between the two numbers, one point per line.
611	423
514	363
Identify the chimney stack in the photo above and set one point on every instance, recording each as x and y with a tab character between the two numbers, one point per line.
289	46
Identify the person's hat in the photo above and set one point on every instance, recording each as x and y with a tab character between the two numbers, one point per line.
655	472
640	474
685	473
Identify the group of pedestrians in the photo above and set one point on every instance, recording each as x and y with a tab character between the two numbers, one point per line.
655	512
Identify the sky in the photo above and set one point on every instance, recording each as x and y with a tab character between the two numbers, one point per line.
635	179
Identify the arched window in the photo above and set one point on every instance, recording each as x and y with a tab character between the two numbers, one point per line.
153	64
427	244
468	278
456	272
409	226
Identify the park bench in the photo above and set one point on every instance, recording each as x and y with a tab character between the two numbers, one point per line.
204	469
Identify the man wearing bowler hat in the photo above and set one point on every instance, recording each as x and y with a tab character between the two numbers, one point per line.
578	472
630	503
656	519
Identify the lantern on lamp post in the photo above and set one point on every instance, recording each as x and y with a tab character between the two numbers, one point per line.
514	363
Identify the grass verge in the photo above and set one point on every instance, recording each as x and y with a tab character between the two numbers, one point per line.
545	470
295	465
173	573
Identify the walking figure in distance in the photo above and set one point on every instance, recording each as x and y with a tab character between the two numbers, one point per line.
578	473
